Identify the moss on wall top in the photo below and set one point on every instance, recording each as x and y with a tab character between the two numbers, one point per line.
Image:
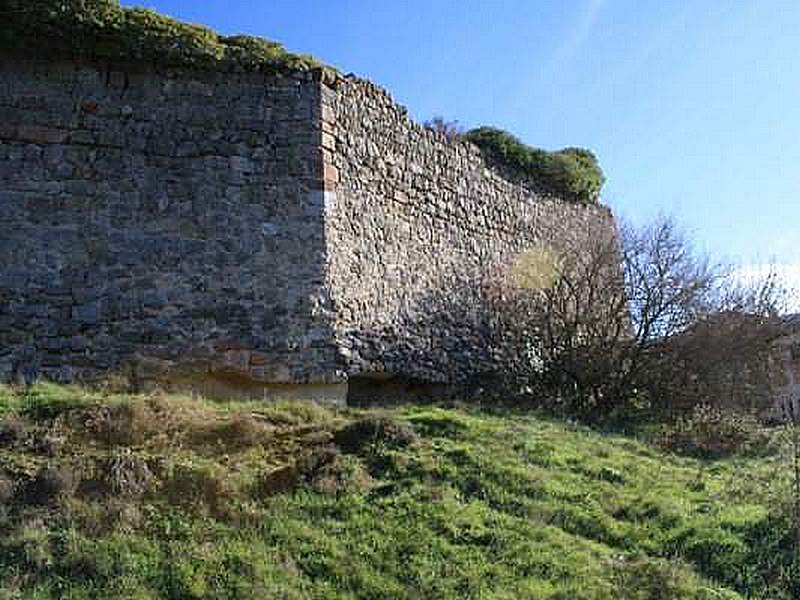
103	30
572	173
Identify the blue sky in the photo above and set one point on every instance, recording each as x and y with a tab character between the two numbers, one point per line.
692	107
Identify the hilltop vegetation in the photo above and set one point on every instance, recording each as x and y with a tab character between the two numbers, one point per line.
105	495
103	30
572	173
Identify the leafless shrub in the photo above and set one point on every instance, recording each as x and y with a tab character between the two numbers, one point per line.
449	129
725	356
560	320
128	474
639	315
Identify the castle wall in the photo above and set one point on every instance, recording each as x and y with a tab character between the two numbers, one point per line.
787	359
163	225
416	224
243	235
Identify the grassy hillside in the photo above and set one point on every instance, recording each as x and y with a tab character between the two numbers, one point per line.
148	497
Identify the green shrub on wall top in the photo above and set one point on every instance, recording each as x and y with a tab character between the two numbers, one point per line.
103	30
572	173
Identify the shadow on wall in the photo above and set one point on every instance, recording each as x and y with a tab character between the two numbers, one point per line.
370	389
446	345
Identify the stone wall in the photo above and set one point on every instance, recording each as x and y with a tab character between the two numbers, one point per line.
415	223
164	225
787	360
245	234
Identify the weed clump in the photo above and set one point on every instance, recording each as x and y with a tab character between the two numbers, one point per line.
239	432
200	487
711	432
323	469
438	423
127	474
367	433
276	481
156	422
344	474
124	424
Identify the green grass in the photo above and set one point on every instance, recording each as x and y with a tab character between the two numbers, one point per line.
169	497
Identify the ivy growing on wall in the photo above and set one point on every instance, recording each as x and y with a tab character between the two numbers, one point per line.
103	30
572	173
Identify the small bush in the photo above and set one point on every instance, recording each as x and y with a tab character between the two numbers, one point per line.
711	432
103	30
449	129
572	173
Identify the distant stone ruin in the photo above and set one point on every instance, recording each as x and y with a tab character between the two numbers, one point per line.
788	361
249	235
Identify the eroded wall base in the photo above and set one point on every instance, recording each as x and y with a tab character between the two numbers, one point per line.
233	389
366	391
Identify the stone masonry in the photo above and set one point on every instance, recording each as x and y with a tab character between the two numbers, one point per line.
247	235
415	222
